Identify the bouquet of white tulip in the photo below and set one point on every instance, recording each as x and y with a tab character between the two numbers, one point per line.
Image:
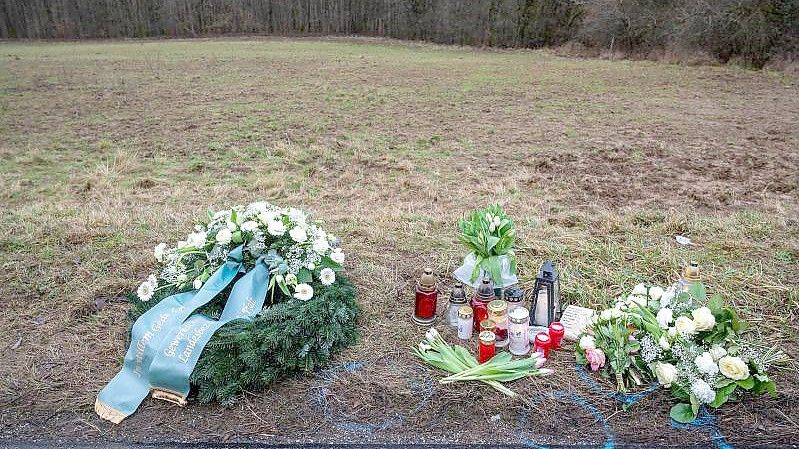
457	360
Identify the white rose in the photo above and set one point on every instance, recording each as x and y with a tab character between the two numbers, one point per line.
685	326
196	239
664	342
717	352
587	342
159	251
249	226
276	228
606	315
321	246
703	319
327	276
656	293
198	283
303	292
734	368
666	374
298	234
664	317
337	256
705	364
224	236
639	289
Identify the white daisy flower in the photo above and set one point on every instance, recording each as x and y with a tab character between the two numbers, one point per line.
327	276
337	256
303	292
146	290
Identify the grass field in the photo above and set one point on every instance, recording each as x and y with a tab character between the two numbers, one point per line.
107	148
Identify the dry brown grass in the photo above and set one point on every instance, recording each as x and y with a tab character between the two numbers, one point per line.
108	148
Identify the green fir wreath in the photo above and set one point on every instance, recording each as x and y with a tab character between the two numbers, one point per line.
310	312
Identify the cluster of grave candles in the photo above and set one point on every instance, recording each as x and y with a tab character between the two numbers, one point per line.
499	322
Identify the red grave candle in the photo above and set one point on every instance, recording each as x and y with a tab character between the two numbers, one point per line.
424	311
556	331
543	343
483	296
486	348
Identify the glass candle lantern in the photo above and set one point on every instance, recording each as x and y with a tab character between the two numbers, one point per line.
498	313
486	349
545	303
514	296
488	325
424	312
556	332
543	343
465	326
689	277
518	320
457	299
480	300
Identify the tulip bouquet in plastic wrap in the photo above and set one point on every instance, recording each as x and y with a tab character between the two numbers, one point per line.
694	346
464	367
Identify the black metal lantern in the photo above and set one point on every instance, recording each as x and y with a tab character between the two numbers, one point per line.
545	307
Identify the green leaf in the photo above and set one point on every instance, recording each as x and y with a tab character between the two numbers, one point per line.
747	383
697	290
722	395
679	392
304	276
682	413
716	304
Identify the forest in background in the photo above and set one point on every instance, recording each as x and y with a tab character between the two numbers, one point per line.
751	32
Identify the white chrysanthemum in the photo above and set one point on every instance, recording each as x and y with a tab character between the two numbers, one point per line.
298	234
224	236
303	292
327	276
656	292
146	290
196	239
703	392
337	256
276	228
587	342
717	352
639	289
249	226
198	283
159	251
706	365
321	246
664	317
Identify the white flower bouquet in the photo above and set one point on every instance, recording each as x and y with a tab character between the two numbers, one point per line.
692	345
302	252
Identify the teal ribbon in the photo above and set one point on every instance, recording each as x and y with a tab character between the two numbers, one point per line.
123	394
173	364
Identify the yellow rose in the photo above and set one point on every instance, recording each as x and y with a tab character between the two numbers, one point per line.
703	319
734	368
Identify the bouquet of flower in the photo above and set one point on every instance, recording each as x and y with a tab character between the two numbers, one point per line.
301	251
692	345
489	234
457	360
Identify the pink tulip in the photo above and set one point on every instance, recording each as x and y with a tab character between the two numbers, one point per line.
596	358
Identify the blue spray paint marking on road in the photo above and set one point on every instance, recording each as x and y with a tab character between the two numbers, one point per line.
524	417
626	399
708	422
318	399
